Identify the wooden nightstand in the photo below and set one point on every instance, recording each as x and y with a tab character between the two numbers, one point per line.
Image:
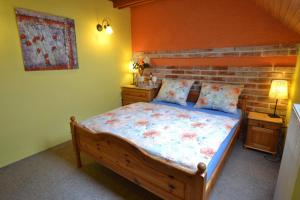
133	94
263	132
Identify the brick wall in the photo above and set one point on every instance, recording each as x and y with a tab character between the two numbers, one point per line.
263	51
256	80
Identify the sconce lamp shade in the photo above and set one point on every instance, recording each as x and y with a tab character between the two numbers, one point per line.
279	89
109	30
105	25
99	27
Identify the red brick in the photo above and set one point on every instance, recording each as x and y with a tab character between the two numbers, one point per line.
248	97
172	67
256	92
250	109
171	76
271	74
208	73
288	69
217	78
259	80
185	77
288	75
186	67
202	67
198	78
192	72
246	74
235	80
263	86
253	86
177	72
261	69
226	73
250	54
219	68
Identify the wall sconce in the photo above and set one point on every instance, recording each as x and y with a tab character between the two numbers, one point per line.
105	25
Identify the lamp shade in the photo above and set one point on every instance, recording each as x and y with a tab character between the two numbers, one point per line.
131	68
109	30
279	89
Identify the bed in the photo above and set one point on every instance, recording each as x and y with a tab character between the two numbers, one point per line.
160	174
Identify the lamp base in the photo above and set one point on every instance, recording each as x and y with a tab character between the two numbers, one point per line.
273	115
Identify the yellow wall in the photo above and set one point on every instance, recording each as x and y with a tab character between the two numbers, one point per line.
294	89
296	99
35	106
296	84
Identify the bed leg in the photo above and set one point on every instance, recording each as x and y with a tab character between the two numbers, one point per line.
75	142
200	183
77	154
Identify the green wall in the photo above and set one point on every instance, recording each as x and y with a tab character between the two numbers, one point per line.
35	106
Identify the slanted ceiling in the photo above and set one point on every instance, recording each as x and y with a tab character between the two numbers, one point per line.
287	11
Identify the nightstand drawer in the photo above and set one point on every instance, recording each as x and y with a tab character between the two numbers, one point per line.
136	93
126	102
264	124
259	130
262	139
135	98
132	94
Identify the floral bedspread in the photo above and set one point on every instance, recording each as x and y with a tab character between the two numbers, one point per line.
179	136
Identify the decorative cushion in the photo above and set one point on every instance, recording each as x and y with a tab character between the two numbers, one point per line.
223	97
174	90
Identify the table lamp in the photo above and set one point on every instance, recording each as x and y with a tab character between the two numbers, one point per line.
133	71
279	90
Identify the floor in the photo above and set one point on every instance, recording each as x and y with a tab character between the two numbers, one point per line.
52	174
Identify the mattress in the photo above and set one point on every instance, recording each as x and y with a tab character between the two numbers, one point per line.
217	156
179	135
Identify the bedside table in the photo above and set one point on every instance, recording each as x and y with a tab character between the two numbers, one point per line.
263	132
133	94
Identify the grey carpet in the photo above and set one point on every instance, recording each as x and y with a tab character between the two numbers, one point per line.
52	174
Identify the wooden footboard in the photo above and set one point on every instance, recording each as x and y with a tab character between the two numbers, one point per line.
156	175
133	163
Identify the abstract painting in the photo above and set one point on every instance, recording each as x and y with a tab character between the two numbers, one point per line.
48	42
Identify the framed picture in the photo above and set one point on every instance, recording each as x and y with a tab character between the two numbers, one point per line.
48	42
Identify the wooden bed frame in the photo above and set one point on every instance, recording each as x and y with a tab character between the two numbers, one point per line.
135	164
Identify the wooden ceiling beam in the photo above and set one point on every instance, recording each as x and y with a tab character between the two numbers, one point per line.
129	3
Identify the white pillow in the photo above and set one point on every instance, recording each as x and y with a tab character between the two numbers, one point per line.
223	97
175	90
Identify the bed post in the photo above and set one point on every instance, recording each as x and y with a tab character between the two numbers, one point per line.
200	183
244	116
75	141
